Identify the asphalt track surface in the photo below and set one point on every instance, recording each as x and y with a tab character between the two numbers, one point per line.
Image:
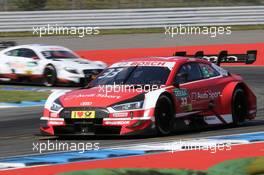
20	126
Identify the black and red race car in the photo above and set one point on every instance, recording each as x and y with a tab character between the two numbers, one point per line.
152	95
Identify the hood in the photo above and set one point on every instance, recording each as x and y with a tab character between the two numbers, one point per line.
79	63
97	97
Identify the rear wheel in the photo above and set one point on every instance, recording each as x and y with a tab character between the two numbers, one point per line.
164	115
239	106
50	76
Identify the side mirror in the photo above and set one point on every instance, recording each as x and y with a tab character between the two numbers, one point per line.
176	84
184	75
181	78
251	56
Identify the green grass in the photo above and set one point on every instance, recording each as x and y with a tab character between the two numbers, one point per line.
246	166
136	172
17	96
123	31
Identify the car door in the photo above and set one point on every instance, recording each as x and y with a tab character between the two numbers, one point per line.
23	61
211	79
13	61
190	91
29	61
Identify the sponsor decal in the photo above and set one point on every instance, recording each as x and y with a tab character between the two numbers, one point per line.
86	103
187	107
182	95
108	96
120	114
55	122
145	63
70	97
17	65
205	95
148	63
28	72
179	93
82	114
116	122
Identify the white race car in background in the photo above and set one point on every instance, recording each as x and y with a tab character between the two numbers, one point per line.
51	64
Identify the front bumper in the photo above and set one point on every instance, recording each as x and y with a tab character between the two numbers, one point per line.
101	125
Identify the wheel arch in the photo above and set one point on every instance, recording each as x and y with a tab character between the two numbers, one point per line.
167	94
55	79
49	64
251	99
152	98
227	97
159	119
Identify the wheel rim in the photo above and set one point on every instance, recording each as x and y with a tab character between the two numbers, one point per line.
240	106
49	77
163	118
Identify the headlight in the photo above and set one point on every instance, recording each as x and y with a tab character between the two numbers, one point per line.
56	105
71	70
129	106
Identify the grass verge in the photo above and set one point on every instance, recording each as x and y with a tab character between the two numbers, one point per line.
17	96
247	166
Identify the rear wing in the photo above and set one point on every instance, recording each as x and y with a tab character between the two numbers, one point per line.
223	57
6	44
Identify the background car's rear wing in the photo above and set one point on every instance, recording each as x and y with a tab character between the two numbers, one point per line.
223	57
6	44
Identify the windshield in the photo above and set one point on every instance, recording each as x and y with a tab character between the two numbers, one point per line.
60	54
136	75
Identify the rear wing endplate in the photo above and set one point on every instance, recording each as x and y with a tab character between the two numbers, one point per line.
6	44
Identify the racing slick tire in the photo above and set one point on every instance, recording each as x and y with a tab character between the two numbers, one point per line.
164	115
50	76
239	106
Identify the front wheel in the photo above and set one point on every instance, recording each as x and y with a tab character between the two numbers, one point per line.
239	106
164	115
50	76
